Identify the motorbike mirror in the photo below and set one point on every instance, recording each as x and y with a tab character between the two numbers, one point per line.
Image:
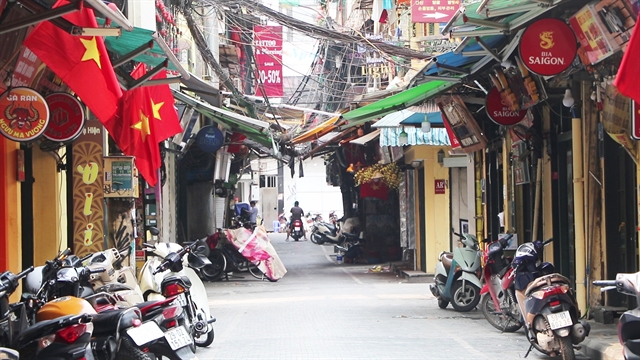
147	245
154	231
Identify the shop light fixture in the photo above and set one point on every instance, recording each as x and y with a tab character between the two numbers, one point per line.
80	31
403	138
568	100
508	10
441	157
426	125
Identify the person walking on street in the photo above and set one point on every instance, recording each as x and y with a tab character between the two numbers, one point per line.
253	218
296	214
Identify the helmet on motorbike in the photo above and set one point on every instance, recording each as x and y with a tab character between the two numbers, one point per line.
67	305
525	254
33	281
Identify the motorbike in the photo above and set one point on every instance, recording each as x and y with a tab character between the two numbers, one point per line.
498	302
115	279
169	273
8	354
456	276
297	231
629	322
547	303
323	232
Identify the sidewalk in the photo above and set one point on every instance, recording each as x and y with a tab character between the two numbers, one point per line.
602	343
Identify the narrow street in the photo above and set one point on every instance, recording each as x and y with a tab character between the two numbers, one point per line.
322	310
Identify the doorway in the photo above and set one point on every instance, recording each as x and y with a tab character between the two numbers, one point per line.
563	212
620	209
422	220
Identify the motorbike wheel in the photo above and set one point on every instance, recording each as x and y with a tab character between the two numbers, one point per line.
496	318
464	299
442	304
129	351
255	271
204	340
566	348
218	266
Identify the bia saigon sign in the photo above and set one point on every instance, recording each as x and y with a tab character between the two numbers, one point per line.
548	47
499	112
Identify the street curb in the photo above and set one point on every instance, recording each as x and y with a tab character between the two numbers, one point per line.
598	350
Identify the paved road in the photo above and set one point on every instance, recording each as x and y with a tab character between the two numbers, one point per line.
322	310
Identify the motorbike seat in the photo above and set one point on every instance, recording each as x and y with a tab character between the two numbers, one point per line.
447	260
110	321
633	345
331	227
39	330
542	281
350	235
111	288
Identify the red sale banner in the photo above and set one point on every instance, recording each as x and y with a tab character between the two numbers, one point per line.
267	41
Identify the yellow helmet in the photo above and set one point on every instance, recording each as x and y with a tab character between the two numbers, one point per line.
67	305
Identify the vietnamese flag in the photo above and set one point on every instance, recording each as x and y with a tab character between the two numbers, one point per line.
81	62
165	115
375	188
627	79
133	131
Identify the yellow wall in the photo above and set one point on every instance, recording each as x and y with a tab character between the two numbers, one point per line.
49	222
437	207
10	218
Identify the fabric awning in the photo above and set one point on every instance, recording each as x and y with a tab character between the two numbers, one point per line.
435	137
396	102
317	131
205	90
408	117
363	140
254	129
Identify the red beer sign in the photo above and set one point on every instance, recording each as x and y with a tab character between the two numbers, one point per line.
24	114
67	117
548	47
500	113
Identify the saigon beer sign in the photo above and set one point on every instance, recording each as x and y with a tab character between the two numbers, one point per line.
548	47
24	114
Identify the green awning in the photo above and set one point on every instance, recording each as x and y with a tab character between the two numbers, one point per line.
257	130
396	102
131	40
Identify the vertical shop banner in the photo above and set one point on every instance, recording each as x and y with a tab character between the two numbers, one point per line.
433	11
267	42
88	211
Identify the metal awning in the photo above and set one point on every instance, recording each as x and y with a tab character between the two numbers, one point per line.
396	102
435	137
461	60
204	90
495	17
363	140
254	129
317	132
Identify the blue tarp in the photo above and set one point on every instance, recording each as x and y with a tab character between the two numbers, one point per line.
452	59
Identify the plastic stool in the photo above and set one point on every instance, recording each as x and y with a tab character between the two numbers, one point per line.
276	226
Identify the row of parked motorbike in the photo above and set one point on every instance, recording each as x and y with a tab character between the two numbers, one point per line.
95	308
523	291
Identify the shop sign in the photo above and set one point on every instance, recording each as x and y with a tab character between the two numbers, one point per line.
548	47
501	113
439	186
120	177
24	114
635	120
595	44
268	49
462	123
88	211
209	139
67	117
433	11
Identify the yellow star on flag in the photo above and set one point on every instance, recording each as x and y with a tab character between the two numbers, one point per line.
143	126
156	109
91	51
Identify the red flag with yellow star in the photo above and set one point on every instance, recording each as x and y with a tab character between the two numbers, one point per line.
81	62
165	116
133	131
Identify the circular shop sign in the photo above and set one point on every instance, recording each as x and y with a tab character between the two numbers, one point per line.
24	114
209	139
548	47
500	113
67	117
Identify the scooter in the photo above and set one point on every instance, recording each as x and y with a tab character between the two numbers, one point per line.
498	302
629	322
8	354
323	232
168	273
547	303
296	229
456	276
116	279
